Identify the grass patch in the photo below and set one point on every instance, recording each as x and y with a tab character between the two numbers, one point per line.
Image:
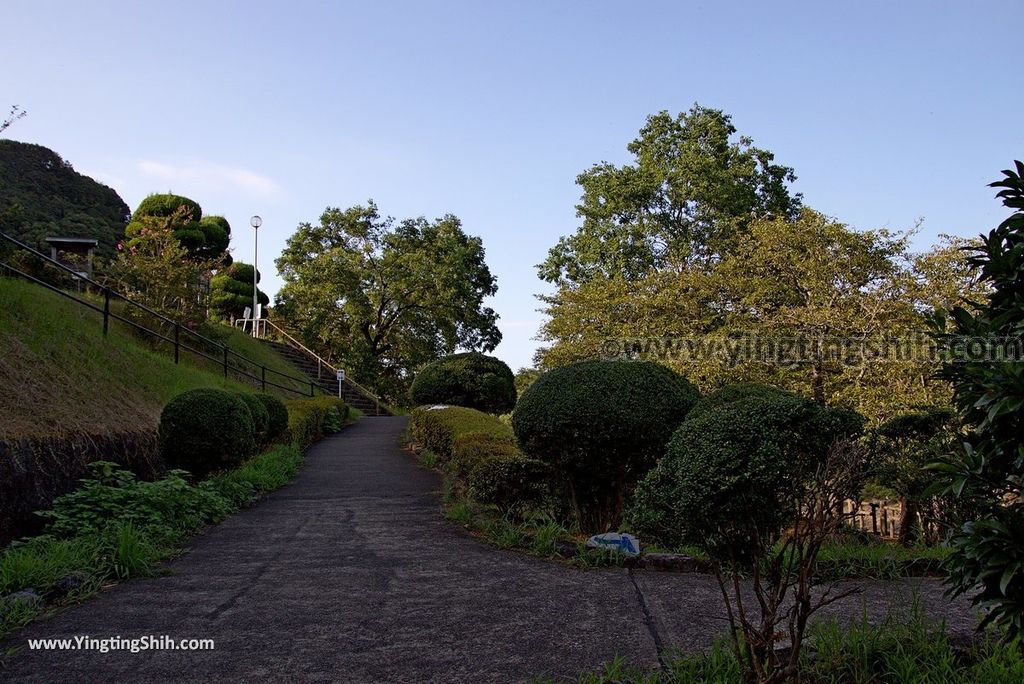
59	374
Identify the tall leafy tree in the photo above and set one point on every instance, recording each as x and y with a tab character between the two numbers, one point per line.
382	297
690	193
807	279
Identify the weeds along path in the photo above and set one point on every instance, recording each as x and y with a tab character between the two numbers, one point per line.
351	574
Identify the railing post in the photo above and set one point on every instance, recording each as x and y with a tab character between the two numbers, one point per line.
319	367
312	390
225	361
106	310
177	341
263	378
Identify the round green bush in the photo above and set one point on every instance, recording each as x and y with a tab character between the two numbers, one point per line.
730	475
277	416
601	425
205	430
470	379
260	416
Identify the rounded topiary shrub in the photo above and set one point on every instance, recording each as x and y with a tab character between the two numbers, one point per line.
730	476
601	425
260	416
471	379
734	392
204	430
277	416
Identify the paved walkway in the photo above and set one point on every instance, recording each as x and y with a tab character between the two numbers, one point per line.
351	574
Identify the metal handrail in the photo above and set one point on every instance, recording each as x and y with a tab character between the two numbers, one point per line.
225	351
320	360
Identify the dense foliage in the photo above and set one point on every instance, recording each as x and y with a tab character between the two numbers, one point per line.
203	237
698	250
730	473
310	419
206	430
156	270
901	448
42	196
988	551
469	379
479	451
381	298
260	417
601	425
688	196
734	392
277	417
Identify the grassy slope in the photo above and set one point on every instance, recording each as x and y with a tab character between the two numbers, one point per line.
59	374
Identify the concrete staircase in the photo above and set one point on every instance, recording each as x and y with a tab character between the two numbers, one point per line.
325	378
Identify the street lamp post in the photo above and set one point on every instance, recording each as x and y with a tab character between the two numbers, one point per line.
255	222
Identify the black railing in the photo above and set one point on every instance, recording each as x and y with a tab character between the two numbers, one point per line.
201	345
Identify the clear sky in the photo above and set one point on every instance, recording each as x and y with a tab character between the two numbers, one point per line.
888	111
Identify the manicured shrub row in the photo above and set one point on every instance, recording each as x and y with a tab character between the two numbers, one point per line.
471	379
210	430
311	419
480	452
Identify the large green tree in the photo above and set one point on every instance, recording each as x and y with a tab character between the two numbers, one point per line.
688	196
381	297
41	195
801	281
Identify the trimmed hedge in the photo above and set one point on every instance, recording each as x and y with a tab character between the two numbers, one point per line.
277	417
734	392
471	379
260	416
206	430
472	448
731	473
601	425
437	429
510	482
479	450
308	418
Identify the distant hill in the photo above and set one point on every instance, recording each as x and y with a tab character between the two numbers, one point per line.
42	196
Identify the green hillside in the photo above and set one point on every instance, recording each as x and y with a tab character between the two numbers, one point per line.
60	375
42	196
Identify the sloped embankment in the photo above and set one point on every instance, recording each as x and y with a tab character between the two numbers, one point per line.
69	396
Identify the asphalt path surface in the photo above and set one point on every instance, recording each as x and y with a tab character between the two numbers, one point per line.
351	574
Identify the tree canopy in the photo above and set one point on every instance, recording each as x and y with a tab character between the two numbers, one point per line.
383	297
693	188
42	196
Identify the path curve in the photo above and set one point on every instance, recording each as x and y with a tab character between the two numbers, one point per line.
351	574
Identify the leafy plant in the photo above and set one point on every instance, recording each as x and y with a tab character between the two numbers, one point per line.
758	484
988	550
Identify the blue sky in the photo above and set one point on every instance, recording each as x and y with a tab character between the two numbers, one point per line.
888	111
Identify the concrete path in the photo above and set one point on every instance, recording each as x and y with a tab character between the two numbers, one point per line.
351	574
